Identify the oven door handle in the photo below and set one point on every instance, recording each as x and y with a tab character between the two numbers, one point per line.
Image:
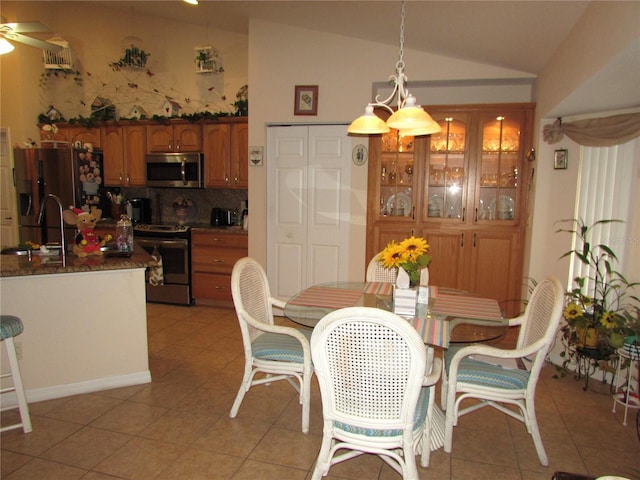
165	242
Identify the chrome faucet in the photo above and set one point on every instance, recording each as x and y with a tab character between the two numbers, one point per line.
63	243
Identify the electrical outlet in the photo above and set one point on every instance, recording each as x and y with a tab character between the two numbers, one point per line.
18	346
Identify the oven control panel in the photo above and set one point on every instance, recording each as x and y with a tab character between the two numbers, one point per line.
161	228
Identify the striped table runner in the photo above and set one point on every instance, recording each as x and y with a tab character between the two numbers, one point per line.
379	288
466	307
327	297
434	331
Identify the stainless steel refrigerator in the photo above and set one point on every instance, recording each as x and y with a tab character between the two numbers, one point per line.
72	175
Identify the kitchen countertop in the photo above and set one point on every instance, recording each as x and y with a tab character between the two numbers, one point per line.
23	265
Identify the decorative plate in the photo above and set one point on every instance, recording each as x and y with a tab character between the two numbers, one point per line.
399	201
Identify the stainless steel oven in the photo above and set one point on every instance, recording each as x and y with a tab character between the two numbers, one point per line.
173	244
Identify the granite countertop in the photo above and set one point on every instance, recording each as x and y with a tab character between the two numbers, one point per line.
203	227
23	265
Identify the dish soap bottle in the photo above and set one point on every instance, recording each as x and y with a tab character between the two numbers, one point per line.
245	216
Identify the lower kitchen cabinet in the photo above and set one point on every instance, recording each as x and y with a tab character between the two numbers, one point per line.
213	255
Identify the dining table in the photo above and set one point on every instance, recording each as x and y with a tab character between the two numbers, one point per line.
449	316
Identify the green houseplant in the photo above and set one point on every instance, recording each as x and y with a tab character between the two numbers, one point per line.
599	307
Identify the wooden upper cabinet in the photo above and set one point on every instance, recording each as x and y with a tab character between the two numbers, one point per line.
85	135
113	157
134	144
240	155
176	138
123	156
217	150
226	152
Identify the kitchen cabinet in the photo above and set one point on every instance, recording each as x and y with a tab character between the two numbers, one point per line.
123	155
85	135
213	255
179	137
226	147
464	190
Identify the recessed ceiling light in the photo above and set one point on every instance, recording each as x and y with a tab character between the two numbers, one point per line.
191	2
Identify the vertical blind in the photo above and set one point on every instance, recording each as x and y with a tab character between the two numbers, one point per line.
606	184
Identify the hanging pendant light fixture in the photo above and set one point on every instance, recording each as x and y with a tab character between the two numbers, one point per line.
408	117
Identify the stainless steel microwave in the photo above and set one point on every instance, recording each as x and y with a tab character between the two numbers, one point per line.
176	170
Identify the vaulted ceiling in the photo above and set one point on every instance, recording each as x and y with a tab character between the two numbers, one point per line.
517	34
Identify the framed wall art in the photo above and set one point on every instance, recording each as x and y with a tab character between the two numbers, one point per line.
560	159
306	100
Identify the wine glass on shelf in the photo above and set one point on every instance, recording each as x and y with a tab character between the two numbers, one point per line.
408	169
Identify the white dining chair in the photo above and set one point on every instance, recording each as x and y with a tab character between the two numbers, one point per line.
278	352
377	383
489	374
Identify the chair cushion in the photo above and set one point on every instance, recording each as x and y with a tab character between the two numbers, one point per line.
481	373
275	346
418	419
10	326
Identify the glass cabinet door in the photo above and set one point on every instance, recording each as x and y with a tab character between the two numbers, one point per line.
397	176
498	170
445	179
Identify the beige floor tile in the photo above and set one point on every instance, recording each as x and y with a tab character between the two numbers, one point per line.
252	470
466	470
288	447
141	459
84	408
46	433
232	436
129	417
162	394
39	469
177	426
86	448
10	462
195	464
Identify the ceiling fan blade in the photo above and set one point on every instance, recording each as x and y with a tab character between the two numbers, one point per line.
27	27
33	42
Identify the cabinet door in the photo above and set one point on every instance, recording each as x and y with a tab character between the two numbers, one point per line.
159	138
500	165
113	157
85	135
447	257
216	155
239	155
495	269
445	181
187	138
134	145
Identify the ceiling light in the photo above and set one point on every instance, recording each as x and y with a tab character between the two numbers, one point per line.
408	117
191	2
5	46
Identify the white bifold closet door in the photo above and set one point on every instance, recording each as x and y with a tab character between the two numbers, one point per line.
308	179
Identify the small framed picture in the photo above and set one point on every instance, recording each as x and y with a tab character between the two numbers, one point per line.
306	100
560	159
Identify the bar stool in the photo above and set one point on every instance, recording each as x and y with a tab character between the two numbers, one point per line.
10	327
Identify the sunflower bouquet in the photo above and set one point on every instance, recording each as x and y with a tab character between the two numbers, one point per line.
411	254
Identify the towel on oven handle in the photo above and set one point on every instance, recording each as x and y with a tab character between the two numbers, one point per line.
156	272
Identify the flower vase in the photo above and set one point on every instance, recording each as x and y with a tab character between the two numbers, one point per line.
181	213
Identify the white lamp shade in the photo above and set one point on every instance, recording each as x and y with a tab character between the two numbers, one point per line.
368	124
5	46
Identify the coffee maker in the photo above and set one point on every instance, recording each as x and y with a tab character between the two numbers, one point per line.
139	210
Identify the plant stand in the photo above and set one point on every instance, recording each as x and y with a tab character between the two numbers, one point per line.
624	395
588	359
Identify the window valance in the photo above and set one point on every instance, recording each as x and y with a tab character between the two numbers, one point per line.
595	132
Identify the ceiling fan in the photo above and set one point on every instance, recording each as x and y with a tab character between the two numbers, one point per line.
14	32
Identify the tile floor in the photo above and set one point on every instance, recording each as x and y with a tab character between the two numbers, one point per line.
178	426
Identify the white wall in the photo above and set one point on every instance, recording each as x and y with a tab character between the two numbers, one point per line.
345	69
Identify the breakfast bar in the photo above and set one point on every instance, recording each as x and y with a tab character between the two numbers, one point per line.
85	321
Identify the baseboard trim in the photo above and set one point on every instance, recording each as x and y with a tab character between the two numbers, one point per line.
90	386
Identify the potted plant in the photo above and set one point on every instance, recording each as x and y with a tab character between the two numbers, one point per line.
598	307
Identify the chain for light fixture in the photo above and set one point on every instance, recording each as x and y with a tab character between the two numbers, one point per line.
409	117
